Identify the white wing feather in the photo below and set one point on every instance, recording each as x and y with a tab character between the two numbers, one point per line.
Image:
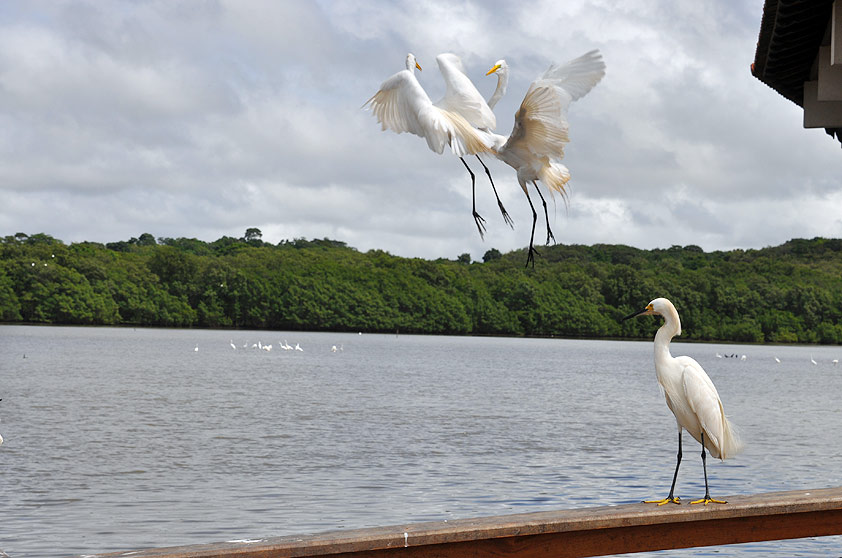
720	436
578	76
402	105
462	96
540	124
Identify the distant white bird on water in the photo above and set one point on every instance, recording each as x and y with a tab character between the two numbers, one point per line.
233	346
835	361
777	360
692	398
196	348
298	347
813	360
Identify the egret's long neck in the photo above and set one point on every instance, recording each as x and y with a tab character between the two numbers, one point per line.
671	328
502	84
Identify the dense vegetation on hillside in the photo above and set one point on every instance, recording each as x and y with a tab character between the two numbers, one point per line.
788	293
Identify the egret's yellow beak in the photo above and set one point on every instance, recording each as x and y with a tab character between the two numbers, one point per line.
492	70
417	66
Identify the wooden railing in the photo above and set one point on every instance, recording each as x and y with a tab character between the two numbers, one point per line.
594	531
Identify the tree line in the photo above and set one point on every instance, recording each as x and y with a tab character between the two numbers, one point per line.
784	294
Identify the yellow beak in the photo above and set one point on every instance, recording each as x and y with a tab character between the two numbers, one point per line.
417	66
492	70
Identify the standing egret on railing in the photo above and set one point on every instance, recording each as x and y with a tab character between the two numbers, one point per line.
692	398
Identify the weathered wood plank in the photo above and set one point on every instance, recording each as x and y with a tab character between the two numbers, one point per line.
568	533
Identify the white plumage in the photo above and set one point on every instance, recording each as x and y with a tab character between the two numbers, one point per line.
536	145
691	396
402	105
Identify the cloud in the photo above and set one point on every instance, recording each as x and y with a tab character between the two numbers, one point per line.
205	118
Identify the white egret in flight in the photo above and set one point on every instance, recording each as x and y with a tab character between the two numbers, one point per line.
692	398
463	98
402	105
536	145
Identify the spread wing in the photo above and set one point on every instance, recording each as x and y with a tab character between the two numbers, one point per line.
402	105
577	77
399	102
462	96
541	125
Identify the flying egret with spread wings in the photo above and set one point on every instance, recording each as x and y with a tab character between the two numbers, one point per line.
692	398
536	145
402	105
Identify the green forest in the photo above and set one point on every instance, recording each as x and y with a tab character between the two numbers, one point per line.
785	294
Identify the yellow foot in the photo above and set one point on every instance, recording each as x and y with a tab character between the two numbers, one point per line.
675	500
708	500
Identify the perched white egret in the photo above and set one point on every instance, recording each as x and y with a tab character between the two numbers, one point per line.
402	105
692	398
536	145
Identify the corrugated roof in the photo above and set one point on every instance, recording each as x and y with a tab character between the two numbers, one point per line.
791	32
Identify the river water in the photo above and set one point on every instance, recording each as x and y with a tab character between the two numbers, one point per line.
120	439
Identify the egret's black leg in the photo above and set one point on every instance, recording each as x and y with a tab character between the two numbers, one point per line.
707	499
546	215
671	499
505	213
477	217
530	256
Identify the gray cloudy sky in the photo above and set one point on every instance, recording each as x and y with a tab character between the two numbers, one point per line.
203	118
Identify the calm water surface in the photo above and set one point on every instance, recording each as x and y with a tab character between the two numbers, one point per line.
118	439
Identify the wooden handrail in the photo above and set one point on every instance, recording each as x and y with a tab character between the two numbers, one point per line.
594	531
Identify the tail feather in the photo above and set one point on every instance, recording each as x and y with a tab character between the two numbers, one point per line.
731	443
464	138
555	176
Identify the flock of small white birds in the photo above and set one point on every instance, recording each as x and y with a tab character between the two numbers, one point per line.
777	360
283	345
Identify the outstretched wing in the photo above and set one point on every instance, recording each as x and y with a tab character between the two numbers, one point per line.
462	96
402	105
577	77
541	127
399	102
540	124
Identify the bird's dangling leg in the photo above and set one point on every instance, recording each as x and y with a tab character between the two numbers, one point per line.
546	215
671	499
477	217
707	499
505	213
530	256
